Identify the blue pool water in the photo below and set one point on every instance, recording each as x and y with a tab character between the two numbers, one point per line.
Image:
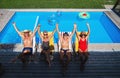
103	30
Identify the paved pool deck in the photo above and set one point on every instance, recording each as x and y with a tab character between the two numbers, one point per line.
8	13
5	16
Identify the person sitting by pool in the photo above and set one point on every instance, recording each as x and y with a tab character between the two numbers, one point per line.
45	44
65	47
27	37
83	46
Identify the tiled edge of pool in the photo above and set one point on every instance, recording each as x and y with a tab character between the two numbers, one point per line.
92	47
104	47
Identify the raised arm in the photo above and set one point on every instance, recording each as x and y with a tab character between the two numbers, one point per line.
40	32
52	33
58	31
14	24
88	26
73	31
77	34
33	34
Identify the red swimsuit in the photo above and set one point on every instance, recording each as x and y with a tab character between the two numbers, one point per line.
83	45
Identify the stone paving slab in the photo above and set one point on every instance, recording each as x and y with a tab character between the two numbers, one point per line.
5	17
104	47
108	6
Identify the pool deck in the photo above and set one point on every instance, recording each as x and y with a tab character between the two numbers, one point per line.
5	16
8	13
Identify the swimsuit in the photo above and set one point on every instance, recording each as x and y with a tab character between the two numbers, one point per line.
83	45
65	50
45	45
28	48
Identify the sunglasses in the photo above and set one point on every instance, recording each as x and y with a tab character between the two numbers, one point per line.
83	35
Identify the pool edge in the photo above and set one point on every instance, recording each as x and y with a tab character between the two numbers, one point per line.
92	46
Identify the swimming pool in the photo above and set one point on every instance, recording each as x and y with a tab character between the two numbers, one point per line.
103	30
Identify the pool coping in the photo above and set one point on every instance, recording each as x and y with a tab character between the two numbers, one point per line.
66	10
92	46
5	17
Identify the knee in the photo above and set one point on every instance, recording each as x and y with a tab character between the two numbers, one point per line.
69	54
80	50
79	53
61	51
25	51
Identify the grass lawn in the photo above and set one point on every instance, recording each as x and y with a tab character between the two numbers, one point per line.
55	3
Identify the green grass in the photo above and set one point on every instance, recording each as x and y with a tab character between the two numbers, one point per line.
55	3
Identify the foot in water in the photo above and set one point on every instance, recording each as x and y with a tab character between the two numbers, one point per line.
51	57
64	69
49	64
82	67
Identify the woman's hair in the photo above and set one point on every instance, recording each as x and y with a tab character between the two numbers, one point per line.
65	34
83	33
